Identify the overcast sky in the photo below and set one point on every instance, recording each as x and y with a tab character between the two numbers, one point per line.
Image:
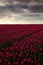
14	9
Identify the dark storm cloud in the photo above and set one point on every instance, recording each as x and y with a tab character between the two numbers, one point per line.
18	7
25	1
22	1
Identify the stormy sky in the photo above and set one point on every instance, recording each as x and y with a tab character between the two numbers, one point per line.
14	9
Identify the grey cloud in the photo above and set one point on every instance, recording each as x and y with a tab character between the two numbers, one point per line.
18	8
25	1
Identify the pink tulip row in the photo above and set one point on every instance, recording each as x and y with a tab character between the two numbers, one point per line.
25	51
